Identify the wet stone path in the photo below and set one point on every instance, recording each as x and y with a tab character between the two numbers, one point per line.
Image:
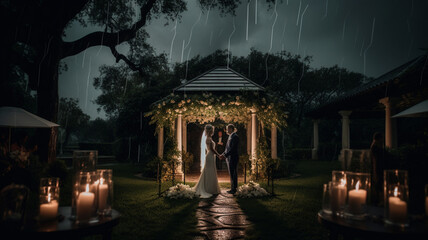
220	217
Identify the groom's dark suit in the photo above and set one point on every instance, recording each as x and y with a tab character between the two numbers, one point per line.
232	157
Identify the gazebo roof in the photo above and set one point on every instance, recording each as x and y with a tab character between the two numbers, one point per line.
408	79
219	79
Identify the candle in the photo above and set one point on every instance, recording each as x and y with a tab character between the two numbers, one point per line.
102	195
49	210
426	206
85	204
338	196
357	198
397	208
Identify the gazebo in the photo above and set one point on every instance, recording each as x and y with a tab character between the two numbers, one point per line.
220	93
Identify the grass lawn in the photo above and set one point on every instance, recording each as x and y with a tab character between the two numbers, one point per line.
289	215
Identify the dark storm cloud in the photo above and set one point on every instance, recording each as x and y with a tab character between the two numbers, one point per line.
335	34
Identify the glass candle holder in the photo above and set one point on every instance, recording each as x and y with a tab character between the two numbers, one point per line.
84	204
85	160
105	191
337	197
338	176
358	192
326	198
396	197
48	199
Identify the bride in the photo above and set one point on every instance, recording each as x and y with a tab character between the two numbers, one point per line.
208	182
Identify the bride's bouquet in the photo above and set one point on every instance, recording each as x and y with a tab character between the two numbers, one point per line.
250	190
180	191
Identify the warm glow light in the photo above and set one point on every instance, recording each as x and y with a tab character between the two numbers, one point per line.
395	191
343	182
101	180
357	186
49	197
87	187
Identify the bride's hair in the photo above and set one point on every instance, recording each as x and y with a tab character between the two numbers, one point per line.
209	130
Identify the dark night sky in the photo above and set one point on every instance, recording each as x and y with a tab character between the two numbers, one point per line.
366	36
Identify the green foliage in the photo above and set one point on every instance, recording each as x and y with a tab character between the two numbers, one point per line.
208	107
187	159
71	119
300	153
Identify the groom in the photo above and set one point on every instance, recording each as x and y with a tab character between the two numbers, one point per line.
232	157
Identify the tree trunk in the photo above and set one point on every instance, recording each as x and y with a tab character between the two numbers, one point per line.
47	97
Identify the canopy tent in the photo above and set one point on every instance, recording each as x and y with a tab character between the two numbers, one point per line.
13	117
418	110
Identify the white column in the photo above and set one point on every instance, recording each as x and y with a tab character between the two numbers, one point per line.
179	141
390	124
253	139
316	140
160	142
184	136
274	142
345	129
249	137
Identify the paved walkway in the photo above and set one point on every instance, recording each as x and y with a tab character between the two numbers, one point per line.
220	217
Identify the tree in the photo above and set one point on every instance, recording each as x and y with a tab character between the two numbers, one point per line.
71	118
33	40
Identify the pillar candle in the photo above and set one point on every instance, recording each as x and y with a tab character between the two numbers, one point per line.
426	206
48	211
102	196
338	197
397	209
84	204
356	199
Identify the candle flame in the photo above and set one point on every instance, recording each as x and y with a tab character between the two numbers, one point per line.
87	187
49	197
395	191
357	186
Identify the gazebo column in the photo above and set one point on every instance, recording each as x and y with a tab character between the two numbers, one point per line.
390	124
253	140
249	138
316	140
184	136
345	153
345	129
160	142
179	144
274	142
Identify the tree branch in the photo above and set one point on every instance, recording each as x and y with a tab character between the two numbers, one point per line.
119	57
107	39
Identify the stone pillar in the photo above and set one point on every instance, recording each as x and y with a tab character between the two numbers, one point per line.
184	136
390	124
253	139
249	138
179	142
274	142
316	140
345	129
160	142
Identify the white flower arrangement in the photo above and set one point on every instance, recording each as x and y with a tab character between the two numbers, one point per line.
180	191
251	190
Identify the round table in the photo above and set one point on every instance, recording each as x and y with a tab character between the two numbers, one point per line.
372	227
66	228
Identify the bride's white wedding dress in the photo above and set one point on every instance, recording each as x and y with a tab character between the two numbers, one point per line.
208	182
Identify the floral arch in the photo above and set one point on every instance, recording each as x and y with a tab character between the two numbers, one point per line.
223	94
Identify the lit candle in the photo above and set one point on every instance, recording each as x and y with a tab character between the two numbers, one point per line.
338	196
397	208
357	198
49	210
85	204
426	206
102	195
